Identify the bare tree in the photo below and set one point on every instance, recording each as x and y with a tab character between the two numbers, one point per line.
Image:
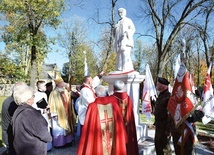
110	23
167	19
204	30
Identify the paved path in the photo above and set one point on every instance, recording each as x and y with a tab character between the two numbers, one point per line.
145	148
63	151
69	150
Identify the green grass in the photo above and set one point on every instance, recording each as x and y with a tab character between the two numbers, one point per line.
143	119
2	98
208	128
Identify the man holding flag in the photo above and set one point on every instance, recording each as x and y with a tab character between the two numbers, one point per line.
181	106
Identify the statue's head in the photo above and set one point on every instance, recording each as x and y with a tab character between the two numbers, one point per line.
122	12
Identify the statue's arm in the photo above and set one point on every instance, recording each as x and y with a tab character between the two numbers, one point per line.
131	29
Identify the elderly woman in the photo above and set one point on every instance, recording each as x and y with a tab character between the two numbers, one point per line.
29	126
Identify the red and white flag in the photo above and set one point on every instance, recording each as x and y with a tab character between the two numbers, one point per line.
208	98
182	101
149	91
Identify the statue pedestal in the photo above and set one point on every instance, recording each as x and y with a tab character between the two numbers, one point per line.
132	80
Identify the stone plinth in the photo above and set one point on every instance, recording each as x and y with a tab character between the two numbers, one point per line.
132	81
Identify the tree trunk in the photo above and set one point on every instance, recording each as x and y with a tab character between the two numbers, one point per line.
33	67
198	69
160	69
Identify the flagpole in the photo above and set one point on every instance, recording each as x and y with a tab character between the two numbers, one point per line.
183	59
182	139
183	53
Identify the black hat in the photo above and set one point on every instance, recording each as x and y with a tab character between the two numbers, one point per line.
48	84
163	81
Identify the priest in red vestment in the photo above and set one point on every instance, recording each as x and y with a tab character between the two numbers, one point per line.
122	99
103	131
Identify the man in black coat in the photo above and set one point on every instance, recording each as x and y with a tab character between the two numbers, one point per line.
162	128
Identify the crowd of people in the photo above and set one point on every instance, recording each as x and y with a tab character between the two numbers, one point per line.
35	121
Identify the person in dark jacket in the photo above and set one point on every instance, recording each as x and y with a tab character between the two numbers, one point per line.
162	128
49	88
8	109
29	126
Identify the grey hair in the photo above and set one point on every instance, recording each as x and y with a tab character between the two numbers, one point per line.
118	85
101	91
18	86
122	10
22	93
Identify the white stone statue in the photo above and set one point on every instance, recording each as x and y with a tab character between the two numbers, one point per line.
123	35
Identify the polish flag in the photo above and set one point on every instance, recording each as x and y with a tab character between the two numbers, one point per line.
149	91
208	99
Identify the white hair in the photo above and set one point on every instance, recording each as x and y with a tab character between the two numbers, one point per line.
118	85
22	93
18	86
101	91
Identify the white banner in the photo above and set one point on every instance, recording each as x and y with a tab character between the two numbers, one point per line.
208	99
149	91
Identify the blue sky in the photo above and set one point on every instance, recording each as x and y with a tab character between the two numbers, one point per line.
86	11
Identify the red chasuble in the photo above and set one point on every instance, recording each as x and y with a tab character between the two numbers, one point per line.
124	101
103	132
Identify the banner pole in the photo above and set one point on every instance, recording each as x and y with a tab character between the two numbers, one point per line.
182	139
